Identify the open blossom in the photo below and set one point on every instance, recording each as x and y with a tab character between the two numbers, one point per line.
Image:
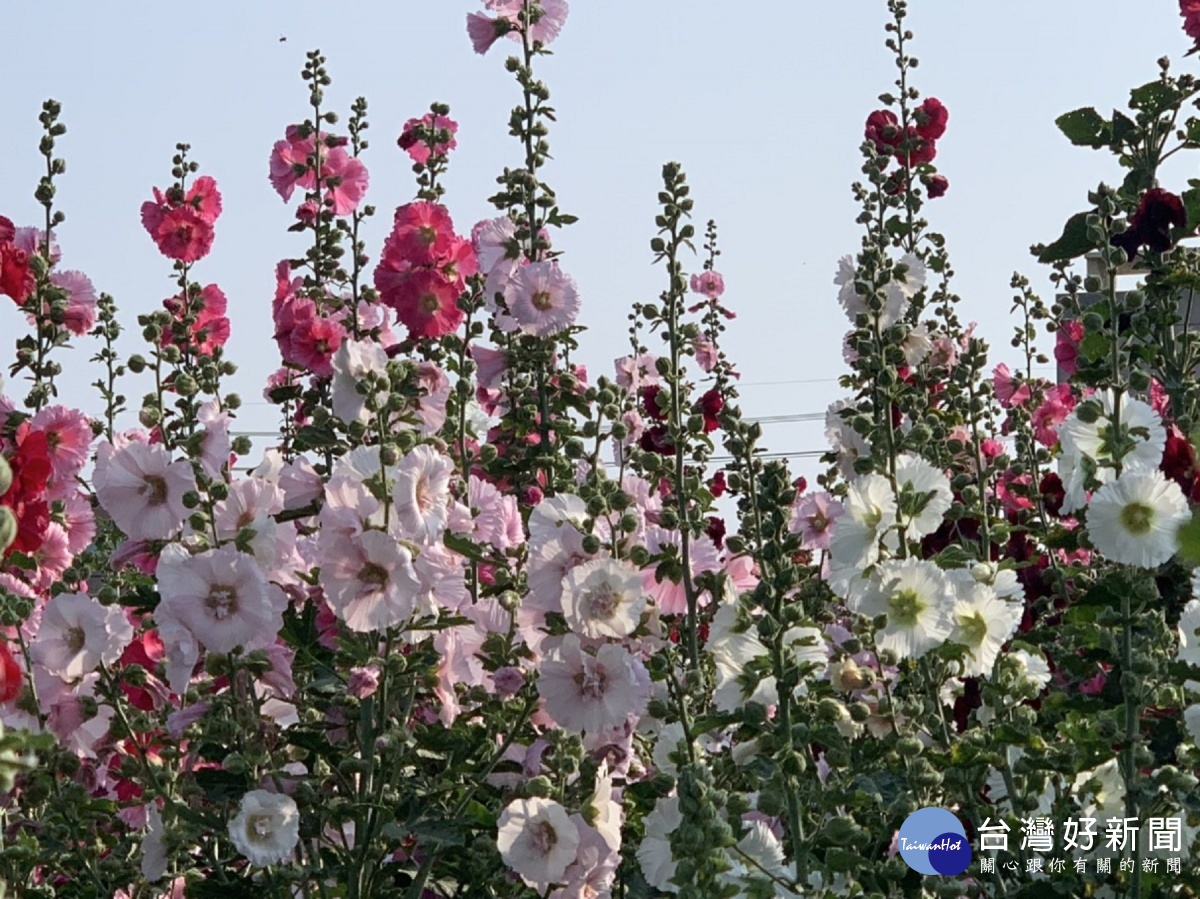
343	176
1081	439
221	596
182	227
1190	10
80	315
983	622
266	828
603	598
1135	519
368	579
542	299
77	633
142	489
16	277
925	495
654	853
813	517
537	839
352	363
209	328
484	30
709	283
422	493
918	600
592	692
415	137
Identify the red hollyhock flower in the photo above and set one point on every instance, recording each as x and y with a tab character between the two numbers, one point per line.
1190	10
716	531
920	150
426	302
650	406
655	440
710	407
1158	212
1053	493
937	186
717	485
16	279
11	679
26	496
883	130
932	117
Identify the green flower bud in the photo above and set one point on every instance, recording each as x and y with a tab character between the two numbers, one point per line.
6	476
8	528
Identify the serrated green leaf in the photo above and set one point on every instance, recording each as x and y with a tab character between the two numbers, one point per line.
1154	98
1083	127
1073	242
1189	539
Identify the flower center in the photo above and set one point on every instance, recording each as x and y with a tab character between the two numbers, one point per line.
974	629
591	682
542	300
429	303
258	828
818	522
904	608
221	601
1136	518
373	574
154	488
542	837
75	638
603	601
427	235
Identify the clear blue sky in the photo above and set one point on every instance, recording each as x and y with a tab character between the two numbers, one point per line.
762	103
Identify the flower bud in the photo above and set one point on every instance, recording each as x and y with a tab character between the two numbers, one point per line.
8	528
6	476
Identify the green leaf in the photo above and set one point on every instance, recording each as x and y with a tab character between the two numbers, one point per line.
1191	202
1189	540
1073	242
1123	129
1083	127
1155	98
1094	346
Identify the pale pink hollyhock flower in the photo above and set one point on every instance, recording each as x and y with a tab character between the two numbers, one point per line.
79	522
594	868
363	681
63	705
422	493
484	31
490	366
812	518
181	649
706	353
440	573
458	650
300	483
53	557
368	580
636	372
435	391
603	598
545	30
353	362
944	353
670	597
220	596
69	435
266	827
592	692
542	299
80	315
508	681
349	507
216	447
77	633
178	722
537	839
710	284
32	241
492	239
142	489
550	516
550	560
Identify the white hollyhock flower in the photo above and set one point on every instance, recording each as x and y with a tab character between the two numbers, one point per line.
1134	520
154	850
537	839
352	363
142	489
898	292
221	596
551	515
422	494
925	495
918	600
869	510
77	633
654	852
603	598
916	345
843	439
1189	643
1031	668
732	651
592	693
1081	439
266	828
1100	792
368	579
983	622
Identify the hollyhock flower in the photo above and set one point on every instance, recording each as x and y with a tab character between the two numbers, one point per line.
918	600
592	692
924	495
542	299
266	828
368	579
142	489
413	141
16	277
710	406
494	240
422	493
931	117
1158	212
603	598
937	186
76	634
537	840
1008	392
636	372
485	31
181	231
32	241
216	446
220	596
551	16
425	302
1140	423
1066	346
1049	416
883	130
351	177
1190	10
870	510
422	234
1135	519
68	438
353	362
210	329
983	622
654	852
289	163
708	283
916	345
290	168
11	677
80	315
312	343
813	517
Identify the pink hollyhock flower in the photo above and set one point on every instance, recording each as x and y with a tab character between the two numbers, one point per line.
182	229
33	240
494	240
422	234
413	140
425	301
1066	346
422	494
592	692
16	277
542	299
1190	10
344	177
77	633
352	363
813	518
79	522
636	372
458	650
219	596
210	329
53	557
490	366
363	681
216	447
1008	392
709	283
485	31
142	489
1050	415
69	438
80	314
706	353
305	339
553	15
368	579
431	404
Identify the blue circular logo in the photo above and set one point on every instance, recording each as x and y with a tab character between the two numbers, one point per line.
933	841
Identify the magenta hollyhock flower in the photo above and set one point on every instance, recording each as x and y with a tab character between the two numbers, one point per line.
412	142
937	186
179	232
204	197
1190	10
709	283
1049	416
542	299
426	303
210	329
80	314
16	278
312	344
422	234
1066	346
344	176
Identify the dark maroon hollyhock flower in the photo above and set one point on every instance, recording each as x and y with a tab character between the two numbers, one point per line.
971	699
801	484
919	151
883	130
1179	460
650	405
931	118
937	186
1158	212
717	485
716	531
655	440
1053	493
710	407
